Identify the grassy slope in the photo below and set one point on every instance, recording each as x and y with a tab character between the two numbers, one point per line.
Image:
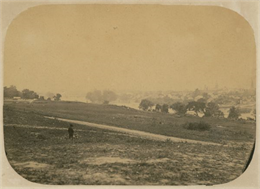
165	124
152	162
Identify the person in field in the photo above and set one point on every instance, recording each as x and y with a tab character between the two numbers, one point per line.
71	131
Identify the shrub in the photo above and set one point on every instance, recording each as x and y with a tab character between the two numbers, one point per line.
199	126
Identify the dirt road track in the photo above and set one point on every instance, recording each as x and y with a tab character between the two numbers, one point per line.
140	134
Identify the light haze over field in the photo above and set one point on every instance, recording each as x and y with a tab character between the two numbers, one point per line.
128	47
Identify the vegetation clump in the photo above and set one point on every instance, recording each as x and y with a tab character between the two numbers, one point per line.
199	126
233	113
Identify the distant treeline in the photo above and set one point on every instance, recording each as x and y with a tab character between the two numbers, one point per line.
200	102
210	109
12	92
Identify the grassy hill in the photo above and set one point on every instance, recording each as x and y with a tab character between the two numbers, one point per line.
221	130
39	149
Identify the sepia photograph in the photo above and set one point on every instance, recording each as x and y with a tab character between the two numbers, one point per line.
129	94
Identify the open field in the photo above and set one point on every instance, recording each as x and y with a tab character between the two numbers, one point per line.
39	149
130	132
222	130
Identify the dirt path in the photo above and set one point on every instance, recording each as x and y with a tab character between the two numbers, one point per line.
65	129
130	132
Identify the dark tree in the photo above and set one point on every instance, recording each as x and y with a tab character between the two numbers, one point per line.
57	97
10	92
179	107
233	113
27	94
145	104
158	107
165	108
196	107
212	109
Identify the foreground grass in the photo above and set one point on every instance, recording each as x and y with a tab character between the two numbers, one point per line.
222	130
95	157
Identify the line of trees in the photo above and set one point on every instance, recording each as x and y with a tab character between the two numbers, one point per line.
209	109
11	92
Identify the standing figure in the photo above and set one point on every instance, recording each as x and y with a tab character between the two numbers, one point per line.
71	131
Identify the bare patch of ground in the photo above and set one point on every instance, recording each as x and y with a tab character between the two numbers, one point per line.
106	178
111	160
107	160
30	164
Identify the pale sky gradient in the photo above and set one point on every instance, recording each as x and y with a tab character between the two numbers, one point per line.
68	48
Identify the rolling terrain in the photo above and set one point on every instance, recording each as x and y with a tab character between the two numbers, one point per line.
38	148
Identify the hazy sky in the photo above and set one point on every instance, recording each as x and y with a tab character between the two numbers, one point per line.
128	47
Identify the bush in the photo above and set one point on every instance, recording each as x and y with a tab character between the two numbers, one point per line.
199	126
